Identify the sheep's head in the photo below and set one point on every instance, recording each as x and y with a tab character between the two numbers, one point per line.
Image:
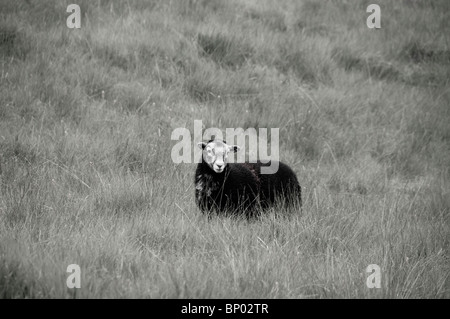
215	154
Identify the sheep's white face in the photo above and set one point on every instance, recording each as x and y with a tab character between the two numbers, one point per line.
215	154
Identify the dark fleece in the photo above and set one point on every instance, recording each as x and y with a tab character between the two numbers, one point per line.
281	186
241	188
233	190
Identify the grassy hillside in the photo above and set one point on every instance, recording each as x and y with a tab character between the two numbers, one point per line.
86	175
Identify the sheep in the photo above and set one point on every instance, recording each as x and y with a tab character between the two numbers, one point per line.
240	187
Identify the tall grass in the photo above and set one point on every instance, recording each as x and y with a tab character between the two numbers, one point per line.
86	175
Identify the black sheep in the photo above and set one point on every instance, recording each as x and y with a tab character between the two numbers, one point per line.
240	187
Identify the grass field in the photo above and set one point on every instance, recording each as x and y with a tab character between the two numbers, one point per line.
86	175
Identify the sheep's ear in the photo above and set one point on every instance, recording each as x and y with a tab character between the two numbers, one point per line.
234	148
202	145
